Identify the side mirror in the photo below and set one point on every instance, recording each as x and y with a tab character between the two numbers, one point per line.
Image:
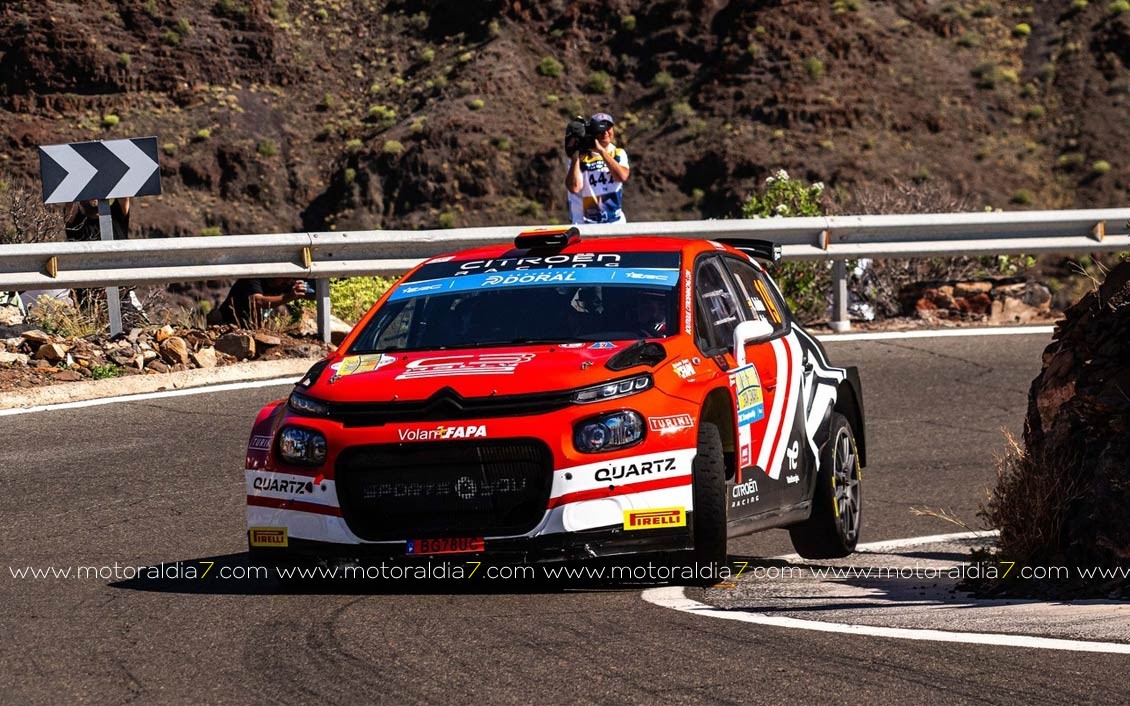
750	332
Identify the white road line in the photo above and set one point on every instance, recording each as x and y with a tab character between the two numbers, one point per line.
202	390
887	545
943	333
675	598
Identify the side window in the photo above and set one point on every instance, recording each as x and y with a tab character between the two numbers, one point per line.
760	303
718	306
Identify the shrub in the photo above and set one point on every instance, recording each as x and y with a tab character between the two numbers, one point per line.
1100	167
183	27
328	102
353	145
349	175
842	6
1079	5
267	148
1022	30
211	231
427	55
814	67
110	120
662	81
170	38
550	67
383	115
374	88
1034	112
1023	197
599	83
61	317
682	111
1070	160
419	21
476	103
1118	7
393	148
351	297
169	148
321	14
202	134
628	22
447	219
494	29
124	59
99	372
969	39
465	57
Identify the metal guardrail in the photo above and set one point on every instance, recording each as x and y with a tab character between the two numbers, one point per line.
324	255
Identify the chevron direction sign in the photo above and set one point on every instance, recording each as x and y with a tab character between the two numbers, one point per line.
99	170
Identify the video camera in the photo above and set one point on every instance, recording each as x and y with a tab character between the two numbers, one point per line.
581	133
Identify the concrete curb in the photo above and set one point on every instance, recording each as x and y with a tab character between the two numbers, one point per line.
140	384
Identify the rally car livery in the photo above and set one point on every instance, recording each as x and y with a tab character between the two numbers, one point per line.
563	399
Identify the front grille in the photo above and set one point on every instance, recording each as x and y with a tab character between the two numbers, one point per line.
446	405
444	489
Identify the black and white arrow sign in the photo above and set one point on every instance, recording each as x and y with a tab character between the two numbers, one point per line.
99	170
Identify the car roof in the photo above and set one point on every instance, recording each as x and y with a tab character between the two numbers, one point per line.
601	245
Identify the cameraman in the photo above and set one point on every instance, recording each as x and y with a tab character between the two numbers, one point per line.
597	174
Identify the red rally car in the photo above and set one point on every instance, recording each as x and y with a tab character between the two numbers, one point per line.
563	399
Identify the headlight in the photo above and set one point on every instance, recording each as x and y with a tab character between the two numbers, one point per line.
608	432
612	390
302	446
302	404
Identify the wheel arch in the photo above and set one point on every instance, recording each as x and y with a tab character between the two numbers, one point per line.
718	409
849	402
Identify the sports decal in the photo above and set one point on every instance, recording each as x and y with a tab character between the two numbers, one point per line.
747	391
623	476
569	345
670	424
356	364
602	345
684	369
260	443
291	487
774	314
535	278
656	518
782	417
745	493
268	537
463	365
469	431
688	302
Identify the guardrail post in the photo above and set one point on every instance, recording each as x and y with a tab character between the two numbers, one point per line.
840	320
113	301
322	294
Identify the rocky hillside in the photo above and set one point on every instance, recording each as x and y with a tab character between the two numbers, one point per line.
275	115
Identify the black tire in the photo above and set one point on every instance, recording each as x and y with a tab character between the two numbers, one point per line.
832	530
709	524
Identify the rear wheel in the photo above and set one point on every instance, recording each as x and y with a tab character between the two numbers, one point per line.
832	530
709	524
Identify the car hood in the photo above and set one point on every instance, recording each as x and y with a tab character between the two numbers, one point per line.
478	372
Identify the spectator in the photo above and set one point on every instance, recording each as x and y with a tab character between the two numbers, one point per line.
82	220
596	177
248	299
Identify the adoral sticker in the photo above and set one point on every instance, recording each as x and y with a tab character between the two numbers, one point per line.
463	365
356	364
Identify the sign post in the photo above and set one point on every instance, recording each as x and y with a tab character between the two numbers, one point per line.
100	171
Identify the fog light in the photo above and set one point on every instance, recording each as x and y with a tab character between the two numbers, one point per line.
608	432
302	446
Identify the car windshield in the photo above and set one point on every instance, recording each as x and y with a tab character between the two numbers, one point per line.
479	303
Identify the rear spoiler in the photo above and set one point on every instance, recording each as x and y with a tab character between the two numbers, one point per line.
760	249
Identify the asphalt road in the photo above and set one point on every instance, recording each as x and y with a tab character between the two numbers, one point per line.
160	481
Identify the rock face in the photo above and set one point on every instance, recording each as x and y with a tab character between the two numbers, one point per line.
996	302
1063	499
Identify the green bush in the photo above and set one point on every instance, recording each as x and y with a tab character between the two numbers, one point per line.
682	111
465	57
1079	5
969	39
427	55
211	231
1100	167
550	67
662	81
599	82
476	104
350	298
392	147
321	14
383	115
353	145
202	134
1034	112
628	22
349	175
170	38
1023	197
169	148
1070	160
267	148
1022	30
814	67
1118	7
447	219
328	102
183	27
124	59
110	120
804	284
99	372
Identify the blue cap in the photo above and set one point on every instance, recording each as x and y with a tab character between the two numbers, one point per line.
598	118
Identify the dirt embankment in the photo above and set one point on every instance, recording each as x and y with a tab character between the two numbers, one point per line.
275	115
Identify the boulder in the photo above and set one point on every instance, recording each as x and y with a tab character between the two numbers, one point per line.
7	358
158	366
36	337
66	375
266	340
164	332
205	358
1061	499
240	346
10	315
969	289
174	350
51	352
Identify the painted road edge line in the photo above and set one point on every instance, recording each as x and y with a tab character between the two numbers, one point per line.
675	598
889	544
202	390
937	333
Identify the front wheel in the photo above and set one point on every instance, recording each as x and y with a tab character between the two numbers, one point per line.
832	531
709	523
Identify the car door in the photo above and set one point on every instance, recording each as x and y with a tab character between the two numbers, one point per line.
780	455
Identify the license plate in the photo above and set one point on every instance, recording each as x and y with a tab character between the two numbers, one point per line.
444	545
